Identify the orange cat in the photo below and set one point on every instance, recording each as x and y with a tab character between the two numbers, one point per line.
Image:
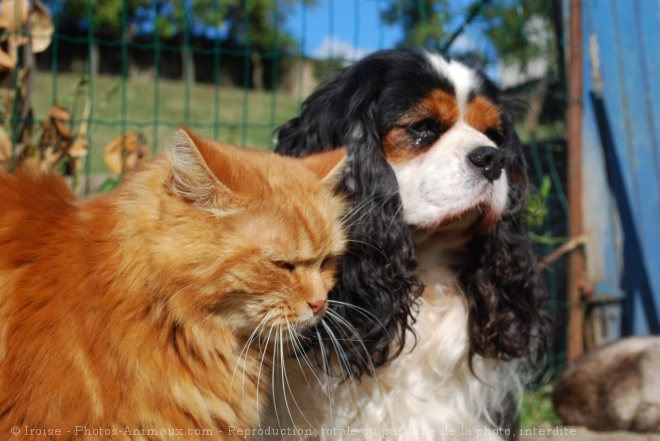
154	312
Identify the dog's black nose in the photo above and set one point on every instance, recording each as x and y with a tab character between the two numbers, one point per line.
490	160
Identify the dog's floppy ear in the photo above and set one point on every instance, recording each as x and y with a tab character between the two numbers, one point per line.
332	113
378	274
502	282
378	284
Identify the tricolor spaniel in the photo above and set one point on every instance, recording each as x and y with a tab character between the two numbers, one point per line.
436	177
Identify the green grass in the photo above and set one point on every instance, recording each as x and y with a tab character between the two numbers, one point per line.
158	109
537	409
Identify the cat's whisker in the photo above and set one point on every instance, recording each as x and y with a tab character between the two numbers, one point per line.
238	362
336	318
304	356
288	384
246	358
368	315
157	314
358	208
347	376
285	381
272	386
365	313
279	359
395	216
326	370
262	356
344	364
273	369
332	315
379	249
206	318
246	350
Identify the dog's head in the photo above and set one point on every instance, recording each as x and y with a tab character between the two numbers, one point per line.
432	155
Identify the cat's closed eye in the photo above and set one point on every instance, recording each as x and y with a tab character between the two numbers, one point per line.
288	266
329	263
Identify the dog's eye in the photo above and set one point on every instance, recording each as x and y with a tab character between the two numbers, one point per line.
495	135
424	132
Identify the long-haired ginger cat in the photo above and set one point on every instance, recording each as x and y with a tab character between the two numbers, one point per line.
154	312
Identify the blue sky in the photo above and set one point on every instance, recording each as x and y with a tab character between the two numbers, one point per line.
352	28
342	25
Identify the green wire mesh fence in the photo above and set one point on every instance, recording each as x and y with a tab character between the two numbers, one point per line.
96	70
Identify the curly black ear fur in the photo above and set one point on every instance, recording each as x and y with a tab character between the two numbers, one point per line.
378	273
502	281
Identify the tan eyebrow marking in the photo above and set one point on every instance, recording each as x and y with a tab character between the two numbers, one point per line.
483	114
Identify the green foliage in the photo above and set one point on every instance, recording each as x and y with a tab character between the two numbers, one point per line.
537	208
423	21
208	12
537	211
106	15
537	409
108	185
259	23
520	30
262	31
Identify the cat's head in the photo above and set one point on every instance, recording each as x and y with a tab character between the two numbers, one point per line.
246	238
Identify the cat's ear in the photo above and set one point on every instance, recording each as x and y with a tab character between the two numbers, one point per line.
328	165
192	179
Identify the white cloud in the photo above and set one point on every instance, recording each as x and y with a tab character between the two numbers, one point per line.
464	43
538	33
333	47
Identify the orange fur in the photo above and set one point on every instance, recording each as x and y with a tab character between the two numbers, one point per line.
130	310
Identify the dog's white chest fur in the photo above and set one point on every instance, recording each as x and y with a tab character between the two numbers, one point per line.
428	393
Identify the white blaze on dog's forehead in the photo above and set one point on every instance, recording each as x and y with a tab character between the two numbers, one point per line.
462	78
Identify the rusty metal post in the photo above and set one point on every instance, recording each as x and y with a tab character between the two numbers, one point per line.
576	270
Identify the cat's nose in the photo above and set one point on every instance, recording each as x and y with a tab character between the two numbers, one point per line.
317	306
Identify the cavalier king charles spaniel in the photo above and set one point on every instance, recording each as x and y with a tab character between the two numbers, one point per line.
439	298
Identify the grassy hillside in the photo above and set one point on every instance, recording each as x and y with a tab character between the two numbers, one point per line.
158	109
